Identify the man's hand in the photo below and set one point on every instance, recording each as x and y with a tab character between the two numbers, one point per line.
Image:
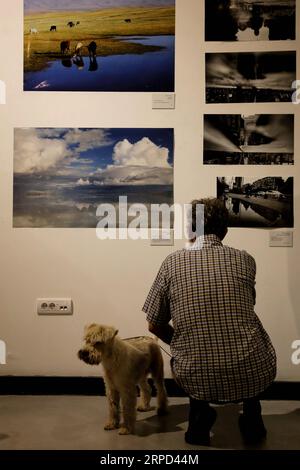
163	332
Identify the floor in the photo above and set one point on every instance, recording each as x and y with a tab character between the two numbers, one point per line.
76	423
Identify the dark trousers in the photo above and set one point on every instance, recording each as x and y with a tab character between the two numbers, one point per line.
200	413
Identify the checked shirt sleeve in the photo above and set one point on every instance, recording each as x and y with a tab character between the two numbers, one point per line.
157	305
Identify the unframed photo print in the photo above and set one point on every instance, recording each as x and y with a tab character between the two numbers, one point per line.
61	176
250	20
250	77
262	202
99	45
249	139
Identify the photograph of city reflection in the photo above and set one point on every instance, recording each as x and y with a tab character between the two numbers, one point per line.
61	176
258	202
249	139
250	20
250	77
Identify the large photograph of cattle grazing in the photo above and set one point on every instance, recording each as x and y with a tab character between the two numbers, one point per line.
61	176
250	20
249	139
99	45
250	77
265	202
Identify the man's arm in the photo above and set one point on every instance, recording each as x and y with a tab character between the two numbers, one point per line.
163	332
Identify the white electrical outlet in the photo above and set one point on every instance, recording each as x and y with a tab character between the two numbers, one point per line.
54	307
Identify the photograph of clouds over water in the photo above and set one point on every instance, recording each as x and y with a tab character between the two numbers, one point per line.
62	175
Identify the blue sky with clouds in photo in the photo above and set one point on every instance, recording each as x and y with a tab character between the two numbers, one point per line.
107	156
73	5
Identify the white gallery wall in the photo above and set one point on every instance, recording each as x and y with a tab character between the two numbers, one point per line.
109	280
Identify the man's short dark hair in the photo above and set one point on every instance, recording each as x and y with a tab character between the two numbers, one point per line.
216	217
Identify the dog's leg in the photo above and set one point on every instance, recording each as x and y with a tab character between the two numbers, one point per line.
157	372
128	399
113	397
145	390
162	398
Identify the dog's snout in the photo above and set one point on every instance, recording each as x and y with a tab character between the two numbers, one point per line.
82	354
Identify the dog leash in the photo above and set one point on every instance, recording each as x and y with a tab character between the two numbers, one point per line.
168	354
144	337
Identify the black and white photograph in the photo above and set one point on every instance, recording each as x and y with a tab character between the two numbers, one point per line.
250	20
249	139
262	202
250	77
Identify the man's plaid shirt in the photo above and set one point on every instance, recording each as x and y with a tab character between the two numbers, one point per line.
221	352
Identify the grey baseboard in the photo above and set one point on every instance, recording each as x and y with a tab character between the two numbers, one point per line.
93	386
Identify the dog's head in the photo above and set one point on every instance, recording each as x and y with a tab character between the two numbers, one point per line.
97	338
98	335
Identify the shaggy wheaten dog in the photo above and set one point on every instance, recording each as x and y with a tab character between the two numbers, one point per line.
126	364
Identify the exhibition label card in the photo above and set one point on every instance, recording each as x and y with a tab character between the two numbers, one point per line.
281	239
163	101
162	237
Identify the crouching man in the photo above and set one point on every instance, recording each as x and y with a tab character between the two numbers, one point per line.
221	352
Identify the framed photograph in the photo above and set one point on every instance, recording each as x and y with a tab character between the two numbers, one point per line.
249	139
99	45
61	176
250	20
262	202
250	77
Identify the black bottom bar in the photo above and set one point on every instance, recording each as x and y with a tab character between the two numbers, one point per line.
93	386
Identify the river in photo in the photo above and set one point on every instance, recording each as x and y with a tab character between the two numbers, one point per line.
244	214
148	72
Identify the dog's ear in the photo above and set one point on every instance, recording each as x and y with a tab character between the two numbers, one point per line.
109	333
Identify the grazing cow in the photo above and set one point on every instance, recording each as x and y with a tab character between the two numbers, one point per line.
65	46
33	31
92	47
78	60
78	49
71	24
128	20
53	28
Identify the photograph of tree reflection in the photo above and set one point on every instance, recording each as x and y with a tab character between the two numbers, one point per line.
61	176
258	202
250	20
99	45
249	139
250	77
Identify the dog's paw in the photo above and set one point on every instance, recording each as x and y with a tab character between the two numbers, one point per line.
111	426
124	431
143	408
